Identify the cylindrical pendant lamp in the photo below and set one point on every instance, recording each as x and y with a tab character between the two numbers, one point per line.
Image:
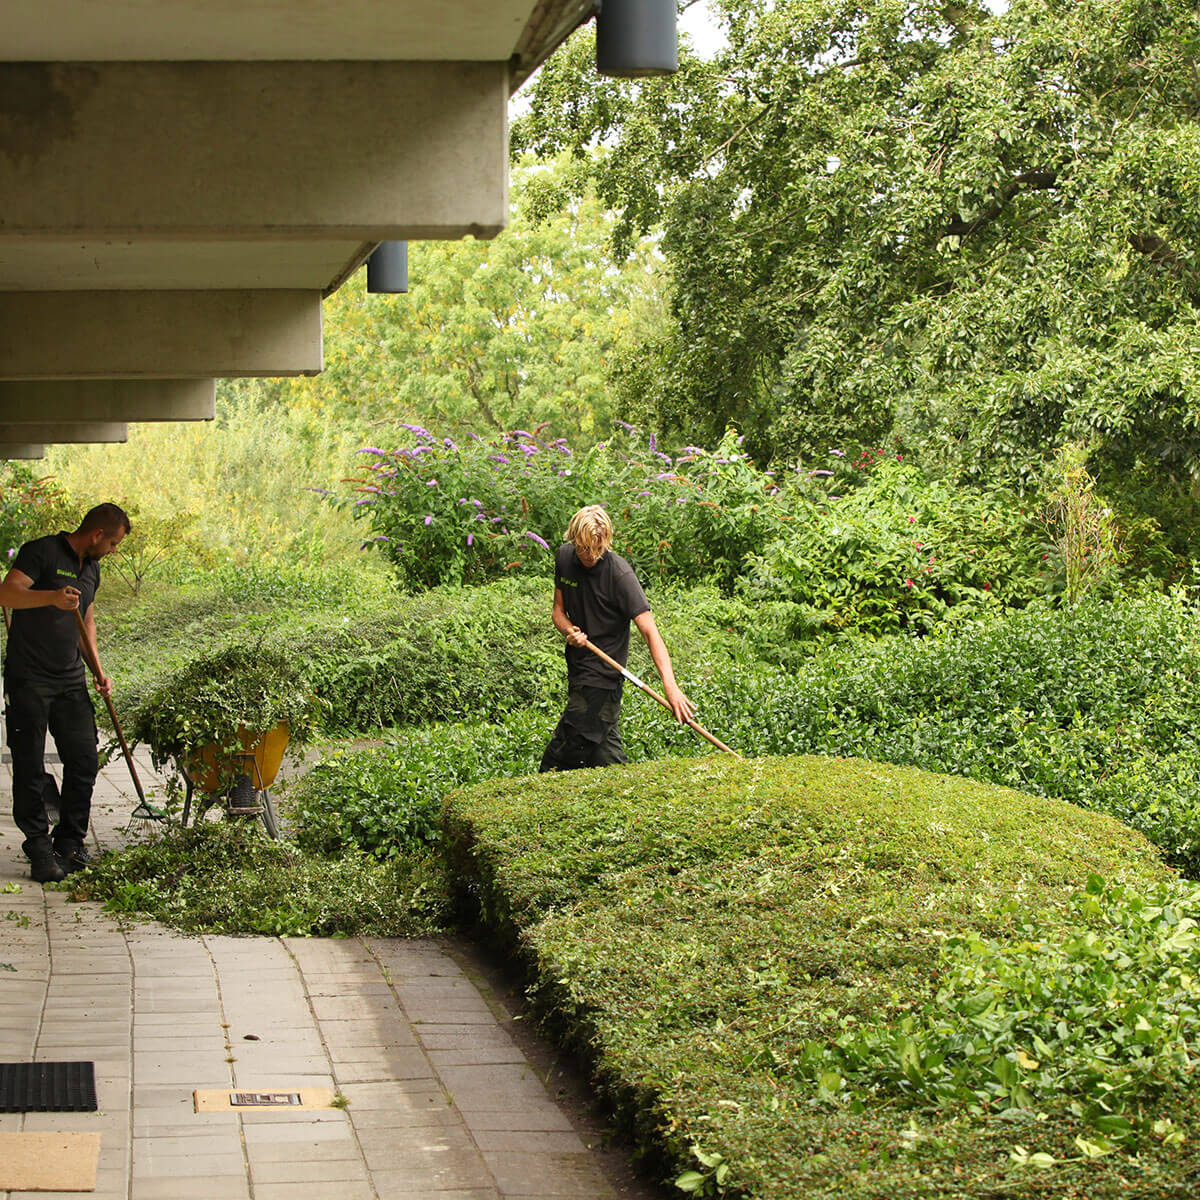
387	268
636	37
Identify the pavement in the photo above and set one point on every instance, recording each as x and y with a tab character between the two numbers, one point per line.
440	1099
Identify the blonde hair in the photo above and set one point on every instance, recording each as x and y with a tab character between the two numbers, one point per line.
591	529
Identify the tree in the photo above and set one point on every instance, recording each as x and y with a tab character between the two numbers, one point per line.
977	230
493	335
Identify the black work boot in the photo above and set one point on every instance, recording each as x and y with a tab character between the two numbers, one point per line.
71	858
44	866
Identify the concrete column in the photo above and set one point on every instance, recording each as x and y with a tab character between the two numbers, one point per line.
109	400
159	335
63	431
371	151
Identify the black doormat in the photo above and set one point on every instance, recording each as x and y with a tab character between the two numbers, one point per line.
48	1087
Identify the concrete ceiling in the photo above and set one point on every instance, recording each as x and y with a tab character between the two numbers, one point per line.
182	181
250	30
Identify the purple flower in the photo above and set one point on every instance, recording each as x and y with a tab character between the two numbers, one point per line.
428	519
370	450
643	493
653	443
449	444
692	450
822	472
475	436
527	450
533	537
522	433
480	517
431	483
477	503
416	429
839	453
498	458
470	539
626	425
665	457
360	503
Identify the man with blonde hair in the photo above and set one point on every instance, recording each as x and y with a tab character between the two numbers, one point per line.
596	596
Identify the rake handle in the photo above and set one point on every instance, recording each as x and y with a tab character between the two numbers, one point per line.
97	674
616	666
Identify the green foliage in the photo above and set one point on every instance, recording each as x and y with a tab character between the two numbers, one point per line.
971	227
216	696
696	927
388	800
898	551
1096	704
446	513
1105	1012
150	541
30	507
281	457
1083	528
227	877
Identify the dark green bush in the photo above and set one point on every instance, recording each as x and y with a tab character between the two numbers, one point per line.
697	927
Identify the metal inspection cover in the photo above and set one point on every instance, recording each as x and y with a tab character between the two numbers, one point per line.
209	1100
48	1087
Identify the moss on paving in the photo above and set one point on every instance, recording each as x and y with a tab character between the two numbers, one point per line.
689	925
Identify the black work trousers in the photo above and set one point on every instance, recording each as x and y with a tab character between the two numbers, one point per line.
66	712
589	732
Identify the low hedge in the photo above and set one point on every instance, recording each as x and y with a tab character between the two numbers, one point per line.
701	929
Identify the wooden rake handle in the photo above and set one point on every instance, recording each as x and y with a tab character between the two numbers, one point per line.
97	674
616	666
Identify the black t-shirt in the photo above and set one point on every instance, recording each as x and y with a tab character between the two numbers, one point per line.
43	643
601	600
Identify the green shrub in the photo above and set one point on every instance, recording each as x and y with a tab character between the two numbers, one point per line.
388	801
696	927
899	551
227	877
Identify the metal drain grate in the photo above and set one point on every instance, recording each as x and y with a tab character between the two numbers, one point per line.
48	1087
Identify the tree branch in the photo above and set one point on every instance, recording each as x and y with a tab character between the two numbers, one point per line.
1037	180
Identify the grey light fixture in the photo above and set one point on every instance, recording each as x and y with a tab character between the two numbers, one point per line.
387	269
636	38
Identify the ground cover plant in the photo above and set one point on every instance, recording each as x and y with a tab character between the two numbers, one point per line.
750	953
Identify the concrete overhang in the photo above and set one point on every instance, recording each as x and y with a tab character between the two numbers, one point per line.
64	431
21	450
121	400
152	148
159	335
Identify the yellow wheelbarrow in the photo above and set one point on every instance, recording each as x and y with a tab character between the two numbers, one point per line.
239	780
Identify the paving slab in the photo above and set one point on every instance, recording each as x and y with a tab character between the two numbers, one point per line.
440	1101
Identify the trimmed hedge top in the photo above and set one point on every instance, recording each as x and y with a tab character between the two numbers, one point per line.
698	926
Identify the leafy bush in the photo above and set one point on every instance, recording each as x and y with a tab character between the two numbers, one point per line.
899	551
1097	705
30	507
227	877
445	513
696	927
388	800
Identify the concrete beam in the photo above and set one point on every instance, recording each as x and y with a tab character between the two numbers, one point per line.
370	151
109	400
16	450
64	431
159	335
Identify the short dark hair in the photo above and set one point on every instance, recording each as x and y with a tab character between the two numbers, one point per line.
109	517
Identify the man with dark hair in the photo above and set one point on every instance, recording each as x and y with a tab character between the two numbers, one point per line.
53	578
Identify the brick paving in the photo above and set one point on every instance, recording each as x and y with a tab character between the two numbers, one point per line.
441	1102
